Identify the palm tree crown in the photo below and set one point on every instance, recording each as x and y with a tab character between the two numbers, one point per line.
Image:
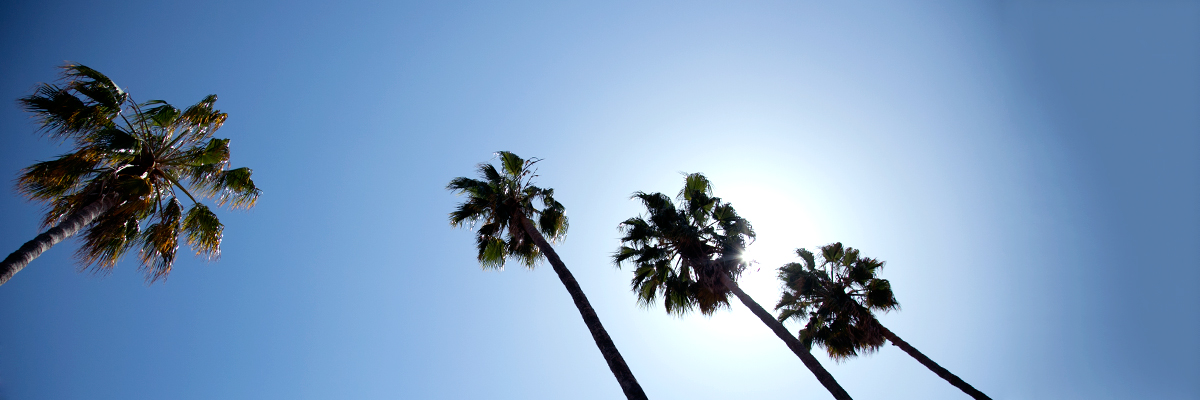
498	202
836	296
145	155
504	203
679	252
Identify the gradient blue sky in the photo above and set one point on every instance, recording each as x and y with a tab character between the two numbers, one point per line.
1029	170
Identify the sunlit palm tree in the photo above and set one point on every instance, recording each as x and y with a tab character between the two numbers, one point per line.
123	179
503	207
837	297
690	255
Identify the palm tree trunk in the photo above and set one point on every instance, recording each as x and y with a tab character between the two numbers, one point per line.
616	363
805	356
65	229
937	369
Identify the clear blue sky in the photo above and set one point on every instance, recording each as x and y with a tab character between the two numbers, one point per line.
1030	171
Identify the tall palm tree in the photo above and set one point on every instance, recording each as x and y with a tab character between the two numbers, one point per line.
503	204
122	182
690	255
837	297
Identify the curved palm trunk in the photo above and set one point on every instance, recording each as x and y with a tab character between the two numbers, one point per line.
937	369
805	356
65	229
629	384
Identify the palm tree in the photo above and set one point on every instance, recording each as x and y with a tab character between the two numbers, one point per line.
837	296
503	203
122	180
690	255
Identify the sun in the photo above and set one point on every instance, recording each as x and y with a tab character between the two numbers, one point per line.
782	222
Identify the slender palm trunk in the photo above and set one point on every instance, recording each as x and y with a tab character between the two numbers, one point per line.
937	369
805	356
65	229
616	363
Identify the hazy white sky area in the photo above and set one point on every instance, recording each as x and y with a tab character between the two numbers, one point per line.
1030	172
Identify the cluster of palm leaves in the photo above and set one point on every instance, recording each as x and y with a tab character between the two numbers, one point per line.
681	254
837	296
501	204
134	179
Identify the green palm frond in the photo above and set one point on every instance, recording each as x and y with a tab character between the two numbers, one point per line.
215	153
513	165
95	86
202	117
552	221
113	145
49	179
204	231
237	189
491	251
110	237
157	113
160	241
87	102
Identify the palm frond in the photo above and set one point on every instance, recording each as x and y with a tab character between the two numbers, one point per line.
552	221
49	179
513	165
62	115
95	86
160	241
108	238
215	152
199	121
492	252
234	187
203	231
158	113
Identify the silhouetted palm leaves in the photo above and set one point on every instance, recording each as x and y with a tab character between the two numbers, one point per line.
497	205
680	253
837	296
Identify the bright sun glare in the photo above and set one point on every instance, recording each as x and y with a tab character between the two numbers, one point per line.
782	223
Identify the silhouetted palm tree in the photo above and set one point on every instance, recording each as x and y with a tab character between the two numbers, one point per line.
837	297
502	204
123	178
690	255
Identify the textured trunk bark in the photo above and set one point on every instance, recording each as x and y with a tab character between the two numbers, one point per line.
807	358
616	363
937	369
65	229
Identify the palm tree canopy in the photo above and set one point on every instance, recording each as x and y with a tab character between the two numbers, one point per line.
679	249
148	153
497	201
836	296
